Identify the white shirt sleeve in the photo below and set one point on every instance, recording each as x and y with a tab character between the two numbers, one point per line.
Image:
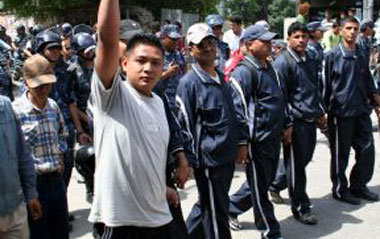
101	97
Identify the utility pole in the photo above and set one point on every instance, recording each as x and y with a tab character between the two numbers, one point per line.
370	9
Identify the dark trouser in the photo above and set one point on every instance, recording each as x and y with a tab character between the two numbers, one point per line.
209	216
241	200
52	196
130	232
68	158
280	182
176	228
261	171
345	133
301	153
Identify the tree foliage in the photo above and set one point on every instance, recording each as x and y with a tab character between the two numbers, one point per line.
42	9
247	9
277	12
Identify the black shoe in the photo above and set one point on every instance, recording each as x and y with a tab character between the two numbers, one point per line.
307	218
347	197
366	194
234	223
71	217
276	198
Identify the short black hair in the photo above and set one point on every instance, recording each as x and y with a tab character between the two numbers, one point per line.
144	39
295	27
236	19
349	19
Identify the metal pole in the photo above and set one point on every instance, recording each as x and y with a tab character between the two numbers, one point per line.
370	9
365	9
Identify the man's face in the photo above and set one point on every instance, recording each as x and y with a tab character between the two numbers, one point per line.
217	30
297	41
349	32
205	51
169	43
318	35
20	31
66	47
260	49
369	31
52	53
41	92
143	66
236	28
335	29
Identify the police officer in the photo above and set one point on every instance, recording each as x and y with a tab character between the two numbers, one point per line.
174	64
259	87
84	47
5	65
31	45
81	73
66	35
299	74
216	22
314	47
21	38
349	91
49	46
208	115
4	36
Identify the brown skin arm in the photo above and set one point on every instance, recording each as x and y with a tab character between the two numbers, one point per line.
82	137
242	154
183	169
35	209
107	50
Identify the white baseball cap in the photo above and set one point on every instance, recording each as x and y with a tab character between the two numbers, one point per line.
198	32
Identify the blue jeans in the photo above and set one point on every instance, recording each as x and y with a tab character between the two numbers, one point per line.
52	195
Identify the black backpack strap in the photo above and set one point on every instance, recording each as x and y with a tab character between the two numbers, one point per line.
255	75
255	85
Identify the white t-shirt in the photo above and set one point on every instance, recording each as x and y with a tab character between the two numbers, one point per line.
131	137
232	40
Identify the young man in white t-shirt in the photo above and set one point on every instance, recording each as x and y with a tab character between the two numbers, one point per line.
131	134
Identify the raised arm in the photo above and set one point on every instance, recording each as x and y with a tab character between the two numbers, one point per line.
107	52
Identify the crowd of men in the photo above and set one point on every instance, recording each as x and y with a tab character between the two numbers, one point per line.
135	119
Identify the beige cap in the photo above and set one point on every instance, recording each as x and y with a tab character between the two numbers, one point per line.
198	32
38	71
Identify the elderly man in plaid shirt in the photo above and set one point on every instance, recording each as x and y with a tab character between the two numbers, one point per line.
45	133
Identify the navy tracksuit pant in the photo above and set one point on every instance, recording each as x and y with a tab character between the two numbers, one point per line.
260	171
241	200
301	153
209	216
280	182
355	132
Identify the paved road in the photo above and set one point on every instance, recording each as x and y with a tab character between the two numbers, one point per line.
336	220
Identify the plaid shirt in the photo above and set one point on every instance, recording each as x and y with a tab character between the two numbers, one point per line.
44	131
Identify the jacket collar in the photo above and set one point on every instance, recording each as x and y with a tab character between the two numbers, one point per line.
295	56
348	53
203	75
255	62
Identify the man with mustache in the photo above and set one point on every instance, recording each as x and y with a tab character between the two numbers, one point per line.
299	74
349	91
218	136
